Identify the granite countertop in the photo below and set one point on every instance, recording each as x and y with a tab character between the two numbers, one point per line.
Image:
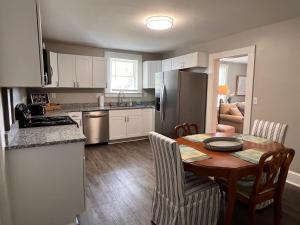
22	138
63	112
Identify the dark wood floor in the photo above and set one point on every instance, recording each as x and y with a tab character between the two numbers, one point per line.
119	183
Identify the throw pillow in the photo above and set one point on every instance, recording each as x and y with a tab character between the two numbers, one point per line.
235	111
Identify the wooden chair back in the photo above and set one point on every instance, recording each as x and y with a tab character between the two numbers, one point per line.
192	128
186	129
181	130
273	170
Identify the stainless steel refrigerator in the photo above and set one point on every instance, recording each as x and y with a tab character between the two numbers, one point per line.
180	97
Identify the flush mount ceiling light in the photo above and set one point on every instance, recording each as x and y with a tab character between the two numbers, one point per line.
159	22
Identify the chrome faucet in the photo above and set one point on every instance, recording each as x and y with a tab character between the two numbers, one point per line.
121	96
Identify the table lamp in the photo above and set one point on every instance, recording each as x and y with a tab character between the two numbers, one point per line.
222	90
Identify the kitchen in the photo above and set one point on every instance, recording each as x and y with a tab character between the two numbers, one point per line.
78	105
75	83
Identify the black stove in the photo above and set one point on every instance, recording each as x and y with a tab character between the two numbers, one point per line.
50	121
23	115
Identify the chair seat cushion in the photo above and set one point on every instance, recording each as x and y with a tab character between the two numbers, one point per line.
195	184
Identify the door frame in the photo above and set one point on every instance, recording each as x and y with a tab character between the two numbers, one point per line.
213	78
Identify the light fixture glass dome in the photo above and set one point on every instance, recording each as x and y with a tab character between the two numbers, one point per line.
159	22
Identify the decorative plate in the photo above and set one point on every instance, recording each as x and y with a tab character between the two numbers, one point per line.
223	143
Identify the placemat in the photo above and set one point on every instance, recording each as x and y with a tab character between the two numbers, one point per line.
257	140
197	137
189	154
251	155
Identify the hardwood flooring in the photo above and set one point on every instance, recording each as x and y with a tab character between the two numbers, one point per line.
119	183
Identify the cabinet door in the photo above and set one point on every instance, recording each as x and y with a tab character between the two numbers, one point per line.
54	69
83	70
155	67
134	126
20	44
117	127
178	63
166	65
147	121
149	70
99	72
191	60
66	70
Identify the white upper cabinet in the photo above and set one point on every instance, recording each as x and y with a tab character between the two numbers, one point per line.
83	71
178	63
66	70
20	44
54	70
191	60
166	65
196	59
99	72
149	70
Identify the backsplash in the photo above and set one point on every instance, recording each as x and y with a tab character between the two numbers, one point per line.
89	96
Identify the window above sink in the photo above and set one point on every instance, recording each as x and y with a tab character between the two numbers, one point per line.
124	73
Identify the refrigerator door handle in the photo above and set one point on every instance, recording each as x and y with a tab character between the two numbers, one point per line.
163	102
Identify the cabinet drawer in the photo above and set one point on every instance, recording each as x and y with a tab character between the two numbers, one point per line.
126	112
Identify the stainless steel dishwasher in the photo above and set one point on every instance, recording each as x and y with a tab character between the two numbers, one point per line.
96	127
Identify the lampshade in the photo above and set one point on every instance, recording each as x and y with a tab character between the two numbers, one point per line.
223	89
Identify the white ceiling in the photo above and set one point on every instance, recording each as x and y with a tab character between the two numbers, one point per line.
242	60
120	24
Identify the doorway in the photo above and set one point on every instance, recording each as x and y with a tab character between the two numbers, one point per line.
231	94
238	88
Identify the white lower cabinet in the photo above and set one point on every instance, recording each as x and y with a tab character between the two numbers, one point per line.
46	181
134	126
147	120
117	127
130	123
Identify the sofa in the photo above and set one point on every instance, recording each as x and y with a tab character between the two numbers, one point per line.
232	114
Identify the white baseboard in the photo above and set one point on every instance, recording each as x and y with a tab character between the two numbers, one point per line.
293	178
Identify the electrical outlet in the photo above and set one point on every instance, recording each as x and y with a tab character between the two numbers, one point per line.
254	100
53	95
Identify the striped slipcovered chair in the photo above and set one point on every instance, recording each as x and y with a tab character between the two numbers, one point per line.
272	131
180	198
269	130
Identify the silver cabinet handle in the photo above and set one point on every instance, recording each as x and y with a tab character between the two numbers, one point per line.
125	120
77	84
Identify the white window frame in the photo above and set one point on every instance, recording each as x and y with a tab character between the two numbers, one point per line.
126	56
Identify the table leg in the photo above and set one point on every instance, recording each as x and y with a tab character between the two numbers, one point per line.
231	196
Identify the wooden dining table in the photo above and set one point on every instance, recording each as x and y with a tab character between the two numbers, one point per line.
224	165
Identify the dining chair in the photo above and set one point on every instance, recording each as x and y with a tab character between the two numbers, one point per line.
180	198
268	184
186	129
181	130
269	130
